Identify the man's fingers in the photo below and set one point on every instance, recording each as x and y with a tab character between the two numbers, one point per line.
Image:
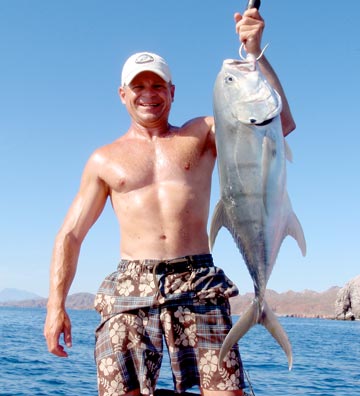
53	332
54	347
67	335
59	351
237	19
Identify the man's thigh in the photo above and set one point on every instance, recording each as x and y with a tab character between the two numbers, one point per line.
129	353
195	334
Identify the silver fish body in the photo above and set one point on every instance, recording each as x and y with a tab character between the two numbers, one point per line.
254	204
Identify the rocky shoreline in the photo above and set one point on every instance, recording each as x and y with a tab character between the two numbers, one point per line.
295	304
305	304
334	303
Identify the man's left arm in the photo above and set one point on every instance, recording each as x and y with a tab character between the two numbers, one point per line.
250	27
287	121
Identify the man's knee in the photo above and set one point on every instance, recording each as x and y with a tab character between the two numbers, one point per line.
133	393
166	392
238	392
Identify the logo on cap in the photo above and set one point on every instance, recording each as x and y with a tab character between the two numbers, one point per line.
144	58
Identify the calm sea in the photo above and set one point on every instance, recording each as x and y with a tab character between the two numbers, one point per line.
326	358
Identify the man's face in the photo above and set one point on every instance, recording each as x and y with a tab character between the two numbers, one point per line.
148	98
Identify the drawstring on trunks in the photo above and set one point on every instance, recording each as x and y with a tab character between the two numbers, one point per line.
179	265
172	266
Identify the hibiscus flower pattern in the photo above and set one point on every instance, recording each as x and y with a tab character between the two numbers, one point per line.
109	379
228	377
189	309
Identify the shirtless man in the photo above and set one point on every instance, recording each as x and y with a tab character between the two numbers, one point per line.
158	178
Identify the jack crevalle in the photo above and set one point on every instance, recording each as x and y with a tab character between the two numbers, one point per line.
254	204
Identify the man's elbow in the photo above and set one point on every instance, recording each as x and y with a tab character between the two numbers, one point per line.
67	240
289	127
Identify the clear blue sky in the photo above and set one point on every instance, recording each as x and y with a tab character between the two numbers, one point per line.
59	72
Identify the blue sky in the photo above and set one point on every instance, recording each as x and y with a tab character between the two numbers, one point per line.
59	72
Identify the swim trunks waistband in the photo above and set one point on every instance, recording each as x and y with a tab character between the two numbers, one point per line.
171	266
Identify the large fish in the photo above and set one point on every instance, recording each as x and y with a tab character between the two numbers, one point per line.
254	204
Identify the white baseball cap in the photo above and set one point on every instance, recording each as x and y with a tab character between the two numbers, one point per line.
144	61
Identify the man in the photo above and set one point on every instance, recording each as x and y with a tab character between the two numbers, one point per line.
158	178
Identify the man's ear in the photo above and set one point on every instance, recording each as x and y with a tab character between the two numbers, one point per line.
121	92
172	92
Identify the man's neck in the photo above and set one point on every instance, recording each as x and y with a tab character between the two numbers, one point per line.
150	132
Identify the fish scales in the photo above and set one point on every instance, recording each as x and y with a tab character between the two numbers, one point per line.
254	204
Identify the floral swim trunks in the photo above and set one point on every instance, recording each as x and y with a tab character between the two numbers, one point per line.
183	301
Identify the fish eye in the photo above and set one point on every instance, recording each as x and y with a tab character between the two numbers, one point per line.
229	79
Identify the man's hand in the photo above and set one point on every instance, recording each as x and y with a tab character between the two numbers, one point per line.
250	27
57	323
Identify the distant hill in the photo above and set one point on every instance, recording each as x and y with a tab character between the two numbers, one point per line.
74	301
307	303
17	295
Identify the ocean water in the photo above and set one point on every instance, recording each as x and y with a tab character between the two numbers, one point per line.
326	358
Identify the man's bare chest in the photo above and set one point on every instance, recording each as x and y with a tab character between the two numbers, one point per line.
171	160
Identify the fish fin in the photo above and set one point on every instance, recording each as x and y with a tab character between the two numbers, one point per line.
270	163
217	222
265	169
295	230
241	327
288	152
269	320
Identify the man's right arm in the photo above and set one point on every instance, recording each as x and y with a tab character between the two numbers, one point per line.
84	211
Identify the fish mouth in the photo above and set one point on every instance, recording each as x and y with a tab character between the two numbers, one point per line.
260	124
243	65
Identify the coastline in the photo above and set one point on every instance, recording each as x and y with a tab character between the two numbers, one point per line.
305	304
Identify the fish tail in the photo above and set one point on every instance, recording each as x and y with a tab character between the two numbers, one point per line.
269	320
241	327
256	314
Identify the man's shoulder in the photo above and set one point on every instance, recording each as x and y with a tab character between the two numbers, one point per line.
108	149
199	126
109	159
202	128
205	122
